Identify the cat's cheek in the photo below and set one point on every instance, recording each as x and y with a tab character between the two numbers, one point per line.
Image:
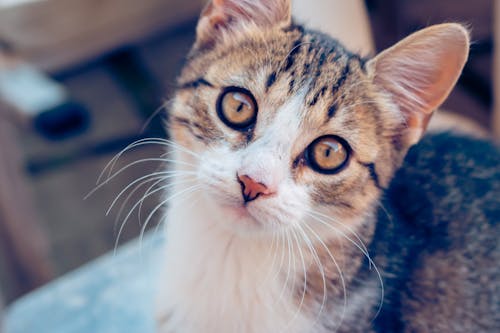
285	210
217	175
184	137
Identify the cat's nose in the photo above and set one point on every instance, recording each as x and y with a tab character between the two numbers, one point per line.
251	189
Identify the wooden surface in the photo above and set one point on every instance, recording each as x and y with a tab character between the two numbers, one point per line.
22	241
56	34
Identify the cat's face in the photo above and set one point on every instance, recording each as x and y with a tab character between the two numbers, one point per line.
289	127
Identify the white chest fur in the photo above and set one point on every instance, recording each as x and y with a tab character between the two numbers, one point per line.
216	282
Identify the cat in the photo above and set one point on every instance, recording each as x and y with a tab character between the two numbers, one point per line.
306	197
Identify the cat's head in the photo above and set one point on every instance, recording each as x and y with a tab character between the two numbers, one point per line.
287	124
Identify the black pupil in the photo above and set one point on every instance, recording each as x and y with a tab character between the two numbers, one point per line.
240	107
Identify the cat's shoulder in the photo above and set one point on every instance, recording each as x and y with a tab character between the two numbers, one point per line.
450	167
454	154
449	185
448	195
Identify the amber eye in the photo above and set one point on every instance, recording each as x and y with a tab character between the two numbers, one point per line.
237	108
327	154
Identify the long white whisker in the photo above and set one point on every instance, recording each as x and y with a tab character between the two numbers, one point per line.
110	165
129	196
282	250
272	251
173	196
164	174
361	243
155	159
163	220
164	105
338	269
365	252
138	202
304	287
316	258
141	142
289	52
146	194
289	266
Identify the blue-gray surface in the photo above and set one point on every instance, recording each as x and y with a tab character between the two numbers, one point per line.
111	294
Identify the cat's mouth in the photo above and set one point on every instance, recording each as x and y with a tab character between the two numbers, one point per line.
239	213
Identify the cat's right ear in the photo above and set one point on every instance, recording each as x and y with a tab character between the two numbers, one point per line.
223	18
419	72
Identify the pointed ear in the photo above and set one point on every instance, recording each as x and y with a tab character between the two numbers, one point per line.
222	17
419	72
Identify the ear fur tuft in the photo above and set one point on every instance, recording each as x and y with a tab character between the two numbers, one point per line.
228	16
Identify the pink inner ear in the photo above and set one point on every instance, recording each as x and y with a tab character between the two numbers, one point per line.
420	71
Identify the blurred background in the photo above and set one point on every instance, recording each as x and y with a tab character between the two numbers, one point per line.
98	73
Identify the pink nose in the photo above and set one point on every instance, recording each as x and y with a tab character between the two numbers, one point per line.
250	189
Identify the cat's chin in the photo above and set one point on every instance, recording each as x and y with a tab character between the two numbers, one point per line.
238	219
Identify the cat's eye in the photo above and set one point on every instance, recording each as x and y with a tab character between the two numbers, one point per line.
327	154
237	108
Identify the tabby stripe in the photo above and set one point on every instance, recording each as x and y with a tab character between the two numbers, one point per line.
341	80
306	70
332	110
270	80
291	84
373	174
196	84
320	93
321	61
312	43
187	124
344	204
182	121
290	59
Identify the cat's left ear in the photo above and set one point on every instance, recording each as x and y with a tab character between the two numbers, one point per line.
419	72
225	17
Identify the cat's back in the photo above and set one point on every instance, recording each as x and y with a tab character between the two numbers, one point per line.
448	194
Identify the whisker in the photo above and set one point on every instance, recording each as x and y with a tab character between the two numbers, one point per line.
129	196
304	287
367	255
146	141
155	159
164	174
137	203
343	225
272	251
158	179
173	196
338	269
162	221
283	289
115	158
163	106
282	257
146	193
293	49
317	260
